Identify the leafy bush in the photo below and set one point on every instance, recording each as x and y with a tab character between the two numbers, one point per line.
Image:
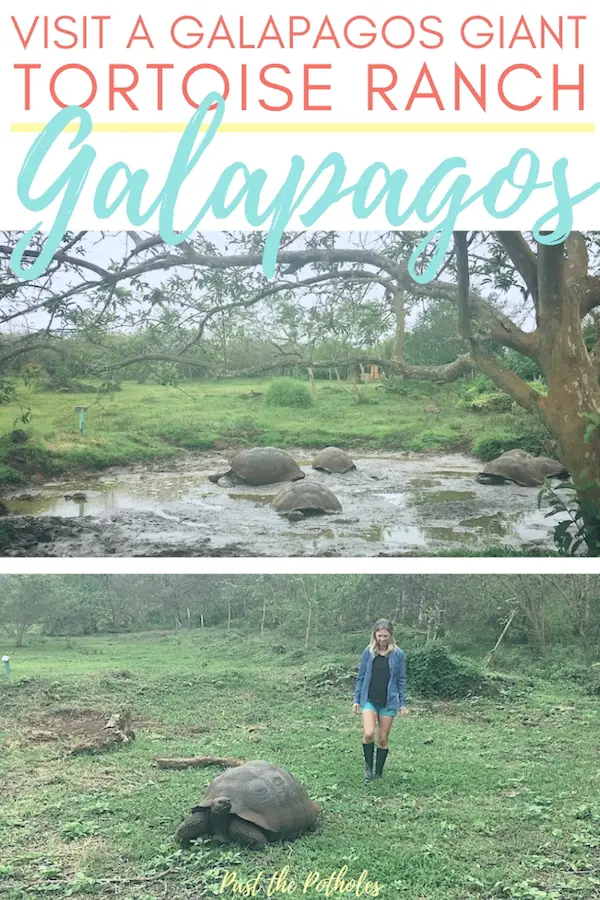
495	402
478	386
540	386
330	677
9	475
288	392
434	673
579	531
29	458
593	685
522	366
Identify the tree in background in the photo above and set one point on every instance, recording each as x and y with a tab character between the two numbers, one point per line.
25	601
467	612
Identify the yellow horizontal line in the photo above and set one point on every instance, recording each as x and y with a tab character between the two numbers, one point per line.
330	127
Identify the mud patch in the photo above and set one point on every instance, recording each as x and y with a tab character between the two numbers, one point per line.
393	504
66	727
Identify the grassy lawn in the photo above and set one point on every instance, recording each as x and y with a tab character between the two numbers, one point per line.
143	422
481	798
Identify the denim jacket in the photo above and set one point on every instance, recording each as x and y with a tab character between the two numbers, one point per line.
396	696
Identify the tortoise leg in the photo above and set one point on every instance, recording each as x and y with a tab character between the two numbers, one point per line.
216	477
247	834
220	819
193	827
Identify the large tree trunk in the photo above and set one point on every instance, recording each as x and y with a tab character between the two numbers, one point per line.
558	283
573	389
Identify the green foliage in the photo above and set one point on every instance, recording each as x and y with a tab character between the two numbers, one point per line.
592	686
433	672
482	395
145	422
34	456
332	676
523	433
480	798
496	402
476	387
524	367
579	531
434	338
288	392
540	386
8	475
395	384
593	420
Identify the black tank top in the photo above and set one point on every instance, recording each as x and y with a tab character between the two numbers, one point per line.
380	676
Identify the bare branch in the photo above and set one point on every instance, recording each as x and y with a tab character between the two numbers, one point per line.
522	257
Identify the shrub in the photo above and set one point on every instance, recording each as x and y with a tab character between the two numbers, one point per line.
593	685
288	392
330	677
495	402
481	384
524	367
10	476
434	673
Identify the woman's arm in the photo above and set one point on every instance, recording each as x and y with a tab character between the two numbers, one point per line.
362	670
401	679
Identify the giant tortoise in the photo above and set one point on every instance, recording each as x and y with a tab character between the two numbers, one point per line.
252	804
333	460
305	498
521	468
261	465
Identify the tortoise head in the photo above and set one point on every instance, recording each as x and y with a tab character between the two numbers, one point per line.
221	806
487	478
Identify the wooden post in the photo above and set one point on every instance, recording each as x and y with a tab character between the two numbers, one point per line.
513	613
313	384
308	626
264	613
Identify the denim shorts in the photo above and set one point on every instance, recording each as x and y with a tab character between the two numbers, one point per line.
380	710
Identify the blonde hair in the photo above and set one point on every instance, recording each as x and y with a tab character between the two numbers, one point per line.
379	625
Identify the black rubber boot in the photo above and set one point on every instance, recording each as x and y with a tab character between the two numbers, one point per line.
380	761
368	751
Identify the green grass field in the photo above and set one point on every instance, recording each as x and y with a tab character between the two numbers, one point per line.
481	798
144	422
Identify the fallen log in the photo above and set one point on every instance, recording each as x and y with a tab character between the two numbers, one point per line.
197	762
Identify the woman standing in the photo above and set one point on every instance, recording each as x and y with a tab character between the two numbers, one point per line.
380	691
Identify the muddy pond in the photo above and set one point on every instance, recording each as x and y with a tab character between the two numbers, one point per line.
392	504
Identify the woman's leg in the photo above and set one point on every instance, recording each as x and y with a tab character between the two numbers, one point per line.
385	726
369	720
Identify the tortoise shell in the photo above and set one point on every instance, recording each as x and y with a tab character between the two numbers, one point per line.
334	460
306	496
267	796
522	468
265	465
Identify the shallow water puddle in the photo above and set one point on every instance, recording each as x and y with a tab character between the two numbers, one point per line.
392	503
443	496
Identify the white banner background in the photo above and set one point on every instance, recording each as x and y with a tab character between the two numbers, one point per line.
485	151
